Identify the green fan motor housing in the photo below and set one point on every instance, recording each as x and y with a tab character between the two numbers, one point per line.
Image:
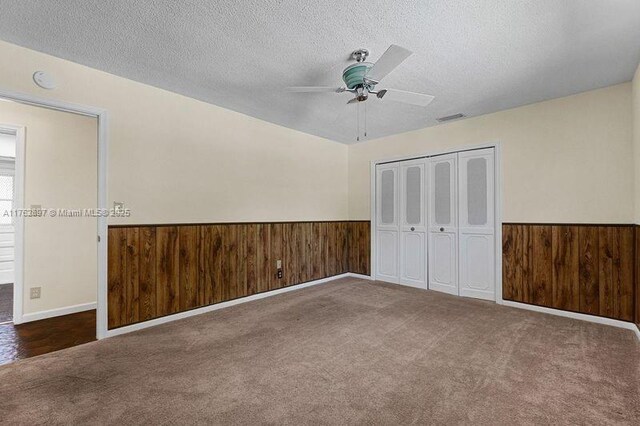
353	75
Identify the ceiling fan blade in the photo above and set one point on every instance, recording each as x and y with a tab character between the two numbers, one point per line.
315	89
389	60
412	98
353	101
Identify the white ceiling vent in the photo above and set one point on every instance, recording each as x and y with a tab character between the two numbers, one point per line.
450	117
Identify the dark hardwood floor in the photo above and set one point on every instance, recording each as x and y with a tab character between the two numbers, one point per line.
6	302
44	336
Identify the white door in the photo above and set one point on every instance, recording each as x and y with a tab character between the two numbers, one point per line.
7	236
387	228
476	223
443	232
413	230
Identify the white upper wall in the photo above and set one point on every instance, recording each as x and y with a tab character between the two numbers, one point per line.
173	159
565	160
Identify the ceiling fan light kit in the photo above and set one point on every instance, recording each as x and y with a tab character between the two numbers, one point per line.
362	77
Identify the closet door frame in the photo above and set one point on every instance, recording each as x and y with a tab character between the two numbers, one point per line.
498	187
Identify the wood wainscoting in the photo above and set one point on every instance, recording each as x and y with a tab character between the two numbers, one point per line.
637	275
158	270
581	268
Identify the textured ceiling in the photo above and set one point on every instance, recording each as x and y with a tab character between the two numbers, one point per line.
476	57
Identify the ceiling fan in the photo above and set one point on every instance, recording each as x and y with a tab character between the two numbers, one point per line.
362	77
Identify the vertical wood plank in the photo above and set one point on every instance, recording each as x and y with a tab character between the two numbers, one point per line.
215	261
331	248
565	279
526	263
623	252
509	276
352	247
251	256
263	257
116	254
317	250
241	276
364	238
541	263
132	276
605	272
636	258
343	248
589	270
277	253
167	270
188	267
307	255
147	278
293	249
229	262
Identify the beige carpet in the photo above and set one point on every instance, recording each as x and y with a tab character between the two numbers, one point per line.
345	352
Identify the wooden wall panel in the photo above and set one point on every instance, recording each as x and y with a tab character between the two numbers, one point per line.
541	266
147	274
623	277
359	243
160	270
588	270
167	270
188	267
263	257
116	252
580	268
565	272
132	277
636	258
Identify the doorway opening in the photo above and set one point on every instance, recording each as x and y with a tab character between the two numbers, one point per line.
7	226
48	220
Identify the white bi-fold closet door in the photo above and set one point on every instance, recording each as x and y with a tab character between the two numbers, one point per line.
401	222
435	223
443	224
476	233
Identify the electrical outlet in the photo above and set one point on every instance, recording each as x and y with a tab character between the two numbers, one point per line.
35	292
280	273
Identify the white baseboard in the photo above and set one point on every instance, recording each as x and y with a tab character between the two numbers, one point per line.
353	275
36	316
575	315
222	305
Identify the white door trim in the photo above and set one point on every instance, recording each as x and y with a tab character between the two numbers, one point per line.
18	201
103	142
497	199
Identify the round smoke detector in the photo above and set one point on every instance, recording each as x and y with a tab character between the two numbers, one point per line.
44	79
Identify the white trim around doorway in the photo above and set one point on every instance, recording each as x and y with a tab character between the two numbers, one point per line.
18	227
103	143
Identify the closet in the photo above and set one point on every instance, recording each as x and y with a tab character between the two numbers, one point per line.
435	223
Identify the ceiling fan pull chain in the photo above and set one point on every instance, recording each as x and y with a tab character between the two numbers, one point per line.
358	122
365	120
